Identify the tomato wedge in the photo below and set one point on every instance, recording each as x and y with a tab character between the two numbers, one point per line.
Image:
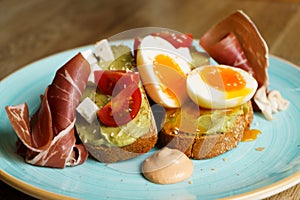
122	108
111	82
176	39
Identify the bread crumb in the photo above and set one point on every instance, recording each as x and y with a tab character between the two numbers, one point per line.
190	182
212	169
224	159
259	148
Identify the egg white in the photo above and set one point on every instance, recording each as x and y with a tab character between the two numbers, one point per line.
150	47
207	96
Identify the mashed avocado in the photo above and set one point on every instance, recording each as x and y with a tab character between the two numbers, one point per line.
123	59
99	134
193	119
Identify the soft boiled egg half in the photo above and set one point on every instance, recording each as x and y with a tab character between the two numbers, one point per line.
220	86
163	70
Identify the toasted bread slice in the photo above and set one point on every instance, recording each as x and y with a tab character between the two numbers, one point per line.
203	145
109	154
112	144
108	143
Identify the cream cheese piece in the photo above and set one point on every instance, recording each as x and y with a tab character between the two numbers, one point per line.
87	109
167	166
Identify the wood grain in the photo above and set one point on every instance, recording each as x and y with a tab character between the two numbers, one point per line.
34	29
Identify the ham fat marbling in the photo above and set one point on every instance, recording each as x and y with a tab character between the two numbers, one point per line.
48	138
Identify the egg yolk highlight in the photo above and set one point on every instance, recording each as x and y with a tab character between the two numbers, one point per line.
225	79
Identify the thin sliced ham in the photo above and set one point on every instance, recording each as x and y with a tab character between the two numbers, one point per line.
252	45
231	54
237	42
48	138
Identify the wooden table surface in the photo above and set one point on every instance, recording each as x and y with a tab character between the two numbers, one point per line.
33	29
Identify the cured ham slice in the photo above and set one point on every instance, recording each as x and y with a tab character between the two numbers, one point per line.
231	53
48	138
253	49
236	41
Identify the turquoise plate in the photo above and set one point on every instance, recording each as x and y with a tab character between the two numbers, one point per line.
242	173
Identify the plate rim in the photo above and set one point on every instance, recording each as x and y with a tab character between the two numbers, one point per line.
37	192
262	192
30	189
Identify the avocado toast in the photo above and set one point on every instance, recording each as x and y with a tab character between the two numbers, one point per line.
109	143
203	133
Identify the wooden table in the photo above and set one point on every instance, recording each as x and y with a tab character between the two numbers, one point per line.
33	29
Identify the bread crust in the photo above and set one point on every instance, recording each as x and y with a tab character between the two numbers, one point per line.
109	154
207	146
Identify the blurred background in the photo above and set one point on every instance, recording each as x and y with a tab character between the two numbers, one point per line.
33	29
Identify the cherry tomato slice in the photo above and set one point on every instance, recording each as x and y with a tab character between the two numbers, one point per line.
122	108
177	40
113	81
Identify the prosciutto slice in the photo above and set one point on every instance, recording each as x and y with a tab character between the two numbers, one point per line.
48	138
235	41
228	51
238	34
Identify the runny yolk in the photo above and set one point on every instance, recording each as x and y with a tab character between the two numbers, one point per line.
168	72
250	135
167	61
224	79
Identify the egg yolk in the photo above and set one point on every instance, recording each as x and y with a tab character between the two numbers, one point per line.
169	72
165	60
250	135
224	79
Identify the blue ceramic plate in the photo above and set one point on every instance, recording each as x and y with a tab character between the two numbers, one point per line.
241	173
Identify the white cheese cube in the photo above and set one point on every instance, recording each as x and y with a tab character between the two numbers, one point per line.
103	50
87	109
94	67
89	56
